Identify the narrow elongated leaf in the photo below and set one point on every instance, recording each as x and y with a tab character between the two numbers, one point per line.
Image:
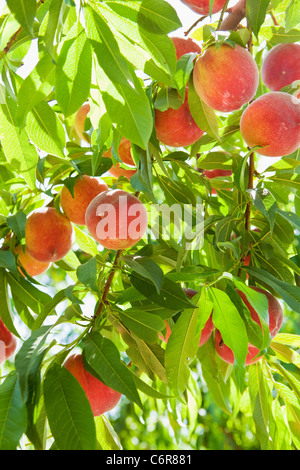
68	410
106	436
181	348
289	293
204	116
228	321
152	15
74	70
24	12
123	95
28	359
104	358
146	268
170	296
19	153
145	325
256	13
292	15
5	304
36	87
260	402
12	413
45	129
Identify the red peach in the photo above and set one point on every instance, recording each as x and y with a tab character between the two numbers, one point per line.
31	265
101	397
80	118
226	78
281	66
272	121
176	127
124	152
116	219
8	342
275	322
84	191
48	234
202	6
184	46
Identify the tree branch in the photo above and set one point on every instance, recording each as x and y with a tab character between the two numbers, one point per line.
235	16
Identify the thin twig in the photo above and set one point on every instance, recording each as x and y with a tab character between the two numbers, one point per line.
108	284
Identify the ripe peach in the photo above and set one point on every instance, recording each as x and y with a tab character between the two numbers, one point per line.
116	219
101	397
184	46
31	265
8	342
281	66
48	234
275	322
80	118
226	78
84	191
176	127
272	121
202	6
124	152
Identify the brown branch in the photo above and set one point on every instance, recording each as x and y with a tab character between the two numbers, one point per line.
235	16
250	186
108	284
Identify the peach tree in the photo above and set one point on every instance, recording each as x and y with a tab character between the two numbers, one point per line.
104	100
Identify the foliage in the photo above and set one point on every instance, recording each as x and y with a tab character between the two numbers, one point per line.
119	55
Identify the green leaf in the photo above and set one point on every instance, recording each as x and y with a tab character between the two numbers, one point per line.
103	357
181	349
170	296
151	52
24	12
145	325
20	154
147	268
30	295
152	15
289	293
68	410
16	223
122	92
8	261
228	321
29	357
256	12
261	404
46	130
106	436
204	116
74	70
87	274
85	241
35	87
12	413
292	14
5	304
